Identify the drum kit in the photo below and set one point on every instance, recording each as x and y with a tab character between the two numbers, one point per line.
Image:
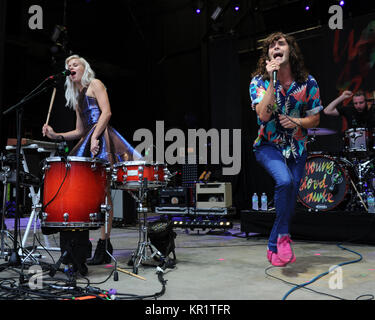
74	195
340	181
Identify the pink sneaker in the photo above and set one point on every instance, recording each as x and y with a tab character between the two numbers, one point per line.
274	259
284	250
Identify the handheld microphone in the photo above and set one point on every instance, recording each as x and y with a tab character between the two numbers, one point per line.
61	74
274	75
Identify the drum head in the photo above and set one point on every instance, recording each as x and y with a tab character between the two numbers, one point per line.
324	184
136	163
76	159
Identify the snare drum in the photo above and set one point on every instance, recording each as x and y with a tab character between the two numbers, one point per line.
325	183
133	175
357	140
73	193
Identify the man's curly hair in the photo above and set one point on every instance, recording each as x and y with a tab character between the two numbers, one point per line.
297	65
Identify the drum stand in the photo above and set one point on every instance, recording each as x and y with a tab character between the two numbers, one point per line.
4	233
358	200
143	244
361	174
105	209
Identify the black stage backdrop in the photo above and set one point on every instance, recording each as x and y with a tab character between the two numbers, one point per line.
2	51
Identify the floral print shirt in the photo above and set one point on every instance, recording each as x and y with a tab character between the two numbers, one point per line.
300	100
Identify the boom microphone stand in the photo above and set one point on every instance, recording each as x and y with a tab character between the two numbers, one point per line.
46	84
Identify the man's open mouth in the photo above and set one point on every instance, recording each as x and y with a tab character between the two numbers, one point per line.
278	55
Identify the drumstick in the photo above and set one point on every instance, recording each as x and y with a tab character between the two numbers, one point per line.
51	104
358	194
130	273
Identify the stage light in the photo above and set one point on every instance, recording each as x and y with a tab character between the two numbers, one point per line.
198	6
202	224
342	3
216	13
236	6
307	5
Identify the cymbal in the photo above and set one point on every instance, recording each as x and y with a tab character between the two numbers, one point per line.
320	132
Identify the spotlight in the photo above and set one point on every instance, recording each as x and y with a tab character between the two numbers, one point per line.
342	3
236	6
216	13
307	5
198	6
59	38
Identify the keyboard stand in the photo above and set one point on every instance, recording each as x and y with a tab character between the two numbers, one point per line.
35	196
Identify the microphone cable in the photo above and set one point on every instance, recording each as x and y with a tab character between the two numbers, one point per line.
314	279
298	286
61	185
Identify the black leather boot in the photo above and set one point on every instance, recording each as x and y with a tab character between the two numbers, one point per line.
100	255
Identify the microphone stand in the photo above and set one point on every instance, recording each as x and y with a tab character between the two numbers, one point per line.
15	258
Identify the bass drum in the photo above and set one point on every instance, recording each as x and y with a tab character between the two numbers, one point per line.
73	192
325	183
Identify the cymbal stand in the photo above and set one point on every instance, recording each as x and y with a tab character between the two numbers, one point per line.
140	254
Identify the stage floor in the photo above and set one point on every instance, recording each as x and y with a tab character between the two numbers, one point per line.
229	266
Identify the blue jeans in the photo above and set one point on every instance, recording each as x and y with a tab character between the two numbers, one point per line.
287	174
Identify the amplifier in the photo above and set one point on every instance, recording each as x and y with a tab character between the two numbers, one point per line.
214	195
175	197
124	207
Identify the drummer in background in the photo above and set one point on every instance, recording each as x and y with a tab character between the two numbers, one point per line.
88	97
357	115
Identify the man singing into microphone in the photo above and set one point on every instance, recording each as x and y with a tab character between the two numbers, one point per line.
287	102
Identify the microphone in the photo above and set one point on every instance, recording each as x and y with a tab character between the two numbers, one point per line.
334	182
62	148
274	75
61	74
